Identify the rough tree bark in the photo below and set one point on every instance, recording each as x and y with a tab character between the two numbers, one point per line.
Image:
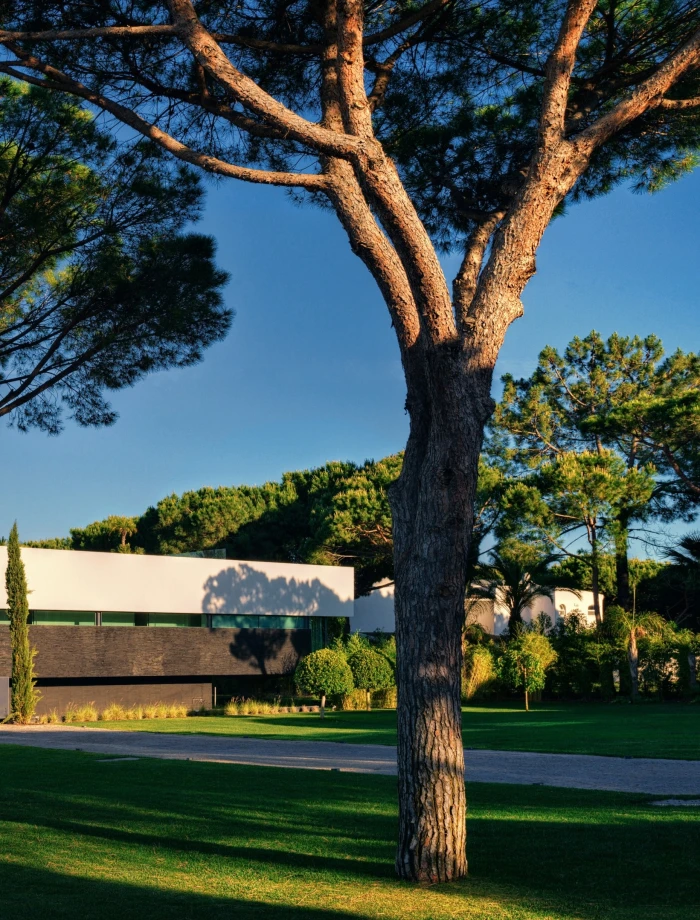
432	507
449	344
595	573
633	664
622	565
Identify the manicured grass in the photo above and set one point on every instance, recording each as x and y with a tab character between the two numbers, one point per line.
167	840
646	730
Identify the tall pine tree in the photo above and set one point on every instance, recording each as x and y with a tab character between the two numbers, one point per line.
24	694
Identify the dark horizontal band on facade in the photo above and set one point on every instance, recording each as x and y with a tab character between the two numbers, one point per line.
170	620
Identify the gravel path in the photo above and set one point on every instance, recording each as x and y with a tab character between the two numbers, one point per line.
576	771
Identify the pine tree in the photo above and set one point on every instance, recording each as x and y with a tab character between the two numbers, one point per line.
24	694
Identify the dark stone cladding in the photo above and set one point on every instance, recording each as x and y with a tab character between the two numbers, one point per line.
123	651
60	697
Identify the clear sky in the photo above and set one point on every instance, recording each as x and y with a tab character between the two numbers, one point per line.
310	370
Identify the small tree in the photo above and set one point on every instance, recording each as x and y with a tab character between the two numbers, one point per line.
630	628
24	694
525	662
322	673
370	671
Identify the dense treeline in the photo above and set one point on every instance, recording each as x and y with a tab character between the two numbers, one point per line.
597	447
337	513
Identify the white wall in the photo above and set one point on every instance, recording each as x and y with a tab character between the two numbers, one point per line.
71	580
376	611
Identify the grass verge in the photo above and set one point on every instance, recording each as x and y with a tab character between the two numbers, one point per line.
646	730
166	839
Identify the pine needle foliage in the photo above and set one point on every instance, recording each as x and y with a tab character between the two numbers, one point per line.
24	694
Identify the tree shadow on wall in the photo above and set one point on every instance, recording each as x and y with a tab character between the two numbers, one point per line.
245	591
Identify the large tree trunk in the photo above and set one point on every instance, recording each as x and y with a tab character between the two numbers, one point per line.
432	505
515	621
633	662
622	566
595	576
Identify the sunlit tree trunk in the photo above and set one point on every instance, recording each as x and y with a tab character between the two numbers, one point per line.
633	662
432	505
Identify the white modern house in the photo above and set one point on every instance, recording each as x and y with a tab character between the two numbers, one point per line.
375	612
111	627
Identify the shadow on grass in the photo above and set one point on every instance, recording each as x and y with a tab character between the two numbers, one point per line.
46	895
534	852
310	862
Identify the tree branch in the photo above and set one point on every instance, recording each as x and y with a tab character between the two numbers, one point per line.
679	104
467	277
648	95
367	240
155	31
166	30
247	91
558	70
357	116
58	80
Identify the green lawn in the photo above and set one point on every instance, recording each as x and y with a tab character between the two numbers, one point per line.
167	840
646	730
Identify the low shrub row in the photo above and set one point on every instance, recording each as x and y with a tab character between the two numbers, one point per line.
357	699
249	707
114	713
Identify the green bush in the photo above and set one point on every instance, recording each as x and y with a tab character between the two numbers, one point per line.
384	699
353	701
324	673
370	671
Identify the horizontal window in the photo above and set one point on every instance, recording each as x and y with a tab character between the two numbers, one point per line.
233	621
62	618
176	619
110	618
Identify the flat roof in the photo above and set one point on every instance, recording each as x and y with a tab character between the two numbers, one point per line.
120	582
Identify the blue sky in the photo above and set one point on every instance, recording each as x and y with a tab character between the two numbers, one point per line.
310	371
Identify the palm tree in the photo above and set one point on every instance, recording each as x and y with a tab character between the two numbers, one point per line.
686	552
630	628
514	581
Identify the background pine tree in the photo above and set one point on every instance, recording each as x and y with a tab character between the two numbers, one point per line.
24	694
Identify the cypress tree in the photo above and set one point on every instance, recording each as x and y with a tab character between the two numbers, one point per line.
24	694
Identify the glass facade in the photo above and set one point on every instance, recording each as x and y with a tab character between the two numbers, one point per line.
176	619
62	618
231	621
170	620
110	618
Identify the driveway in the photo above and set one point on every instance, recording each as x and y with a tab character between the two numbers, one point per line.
575	771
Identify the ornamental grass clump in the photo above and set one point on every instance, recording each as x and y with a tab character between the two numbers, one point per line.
115	712
323	673
251	707
86	713
479	672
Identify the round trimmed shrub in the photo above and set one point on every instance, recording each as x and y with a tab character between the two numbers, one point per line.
322	673
370	671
